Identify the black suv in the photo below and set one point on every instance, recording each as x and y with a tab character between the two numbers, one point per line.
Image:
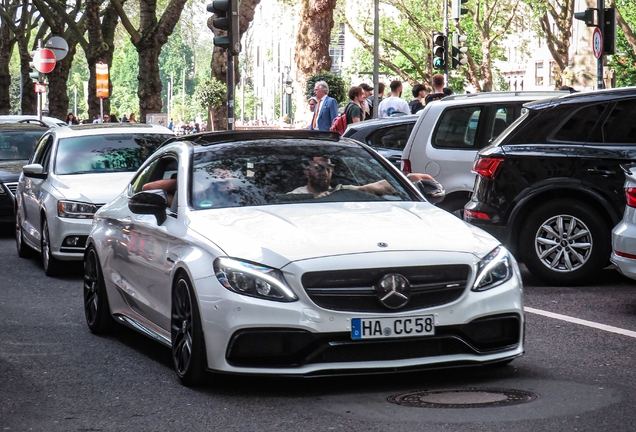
551	187
17	141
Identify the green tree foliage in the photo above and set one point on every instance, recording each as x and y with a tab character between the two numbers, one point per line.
123	76
210	93
337	87
624	61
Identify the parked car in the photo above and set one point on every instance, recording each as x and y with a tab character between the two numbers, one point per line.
33	119
449	132
73	171
17	141
297	253
551	186
387	136
624	234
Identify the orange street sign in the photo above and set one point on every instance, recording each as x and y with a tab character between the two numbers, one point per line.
101	80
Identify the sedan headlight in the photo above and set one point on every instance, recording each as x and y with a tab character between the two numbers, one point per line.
76	210
252	280
493	270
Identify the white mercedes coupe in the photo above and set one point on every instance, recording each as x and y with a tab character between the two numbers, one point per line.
297	253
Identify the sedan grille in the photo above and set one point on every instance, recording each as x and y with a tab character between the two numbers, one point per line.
354	290
13	186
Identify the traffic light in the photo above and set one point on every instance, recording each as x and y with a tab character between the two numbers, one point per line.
439	50
609	31
35	75
459	50
456	9
587	16
226	12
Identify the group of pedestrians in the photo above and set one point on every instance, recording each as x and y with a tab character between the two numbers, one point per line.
71	119
324	108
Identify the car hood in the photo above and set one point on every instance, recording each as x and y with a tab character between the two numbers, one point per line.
94	188
277	235
10	170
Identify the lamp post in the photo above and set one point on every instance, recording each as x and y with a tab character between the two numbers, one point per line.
288	91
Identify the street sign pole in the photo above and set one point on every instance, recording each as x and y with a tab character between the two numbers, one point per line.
601	24
39	97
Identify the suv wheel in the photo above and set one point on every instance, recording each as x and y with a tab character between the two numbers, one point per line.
565	242
24	251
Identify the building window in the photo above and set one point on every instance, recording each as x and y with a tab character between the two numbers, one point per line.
552	73
538	73
336	49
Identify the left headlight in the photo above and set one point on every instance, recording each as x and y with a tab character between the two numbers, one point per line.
252	280
76	210
493	270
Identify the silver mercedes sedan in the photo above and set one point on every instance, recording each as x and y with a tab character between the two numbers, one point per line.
297	253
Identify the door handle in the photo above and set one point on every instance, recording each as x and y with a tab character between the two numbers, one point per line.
600	171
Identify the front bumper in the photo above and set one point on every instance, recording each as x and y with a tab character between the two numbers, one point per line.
253	336
68	237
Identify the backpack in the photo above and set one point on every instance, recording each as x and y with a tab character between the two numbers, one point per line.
339	124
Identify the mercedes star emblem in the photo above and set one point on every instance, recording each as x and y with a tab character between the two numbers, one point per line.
393	290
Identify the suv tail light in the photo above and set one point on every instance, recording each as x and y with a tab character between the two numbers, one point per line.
487	167
406	166
630	197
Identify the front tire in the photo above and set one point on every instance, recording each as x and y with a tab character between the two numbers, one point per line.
96	306
565	242
24	251
50	264
188	344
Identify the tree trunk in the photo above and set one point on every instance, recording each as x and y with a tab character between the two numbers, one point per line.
314	36
58	79
149	89
6	48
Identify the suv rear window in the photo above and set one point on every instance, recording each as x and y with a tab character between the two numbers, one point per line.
579	126
391	137
457	128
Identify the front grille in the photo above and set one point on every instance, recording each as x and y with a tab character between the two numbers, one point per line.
353	290
13	186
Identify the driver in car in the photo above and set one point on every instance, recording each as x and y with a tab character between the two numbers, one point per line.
320	169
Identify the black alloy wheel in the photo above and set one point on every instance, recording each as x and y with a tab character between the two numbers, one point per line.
565	242
188	344
50	264
96	306
24	251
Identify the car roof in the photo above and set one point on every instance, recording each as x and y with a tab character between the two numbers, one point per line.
385	121
217	137
585	97
23	127
49	121
109	128
469	98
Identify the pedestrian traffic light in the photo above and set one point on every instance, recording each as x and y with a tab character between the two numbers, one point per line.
456	9
439	50
609	31
459	50
35	75
587	16
226	12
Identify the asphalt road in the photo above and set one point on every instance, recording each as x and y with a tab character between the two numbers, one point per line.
56	376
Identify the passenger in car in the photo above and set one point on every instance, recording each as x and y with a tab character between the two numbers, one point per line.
169	186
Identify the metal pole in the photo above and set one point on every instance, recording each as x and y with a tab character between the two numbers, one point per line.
446	56
601	25
40	94
75	104
101	110
230	90
376	57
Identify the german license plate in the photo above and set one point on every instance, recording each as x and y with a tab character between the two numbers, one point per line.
376	328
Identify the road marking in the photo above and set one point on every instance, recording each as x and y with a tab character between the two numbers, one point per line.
582	322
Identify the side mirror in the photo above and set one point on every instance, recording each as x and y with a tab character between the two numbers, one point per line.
153	202
433	190
34	170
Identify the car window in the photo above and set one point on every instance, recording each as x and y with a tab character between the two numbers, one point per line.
105	153
457	128
259	174
579	125
18	144
616	129
503	117
391	137
143	177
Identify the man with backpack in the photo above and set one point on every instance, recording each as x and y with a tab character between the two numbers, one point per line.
353	112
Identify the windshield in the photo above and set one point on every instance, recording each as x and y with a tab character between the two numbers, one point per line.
105	153
15	145
280	173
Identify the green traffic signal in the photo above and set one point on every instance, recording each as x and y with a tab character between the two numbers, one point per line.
438	50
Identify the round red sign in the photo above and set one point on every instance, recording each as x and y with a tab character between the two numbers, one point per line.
597	43
44	60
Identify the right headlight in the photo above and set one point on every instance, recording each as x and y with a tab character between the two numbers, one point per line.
493	270
252	280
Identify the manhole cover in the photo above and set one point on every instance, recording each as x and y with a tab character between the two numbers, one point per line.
463	398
